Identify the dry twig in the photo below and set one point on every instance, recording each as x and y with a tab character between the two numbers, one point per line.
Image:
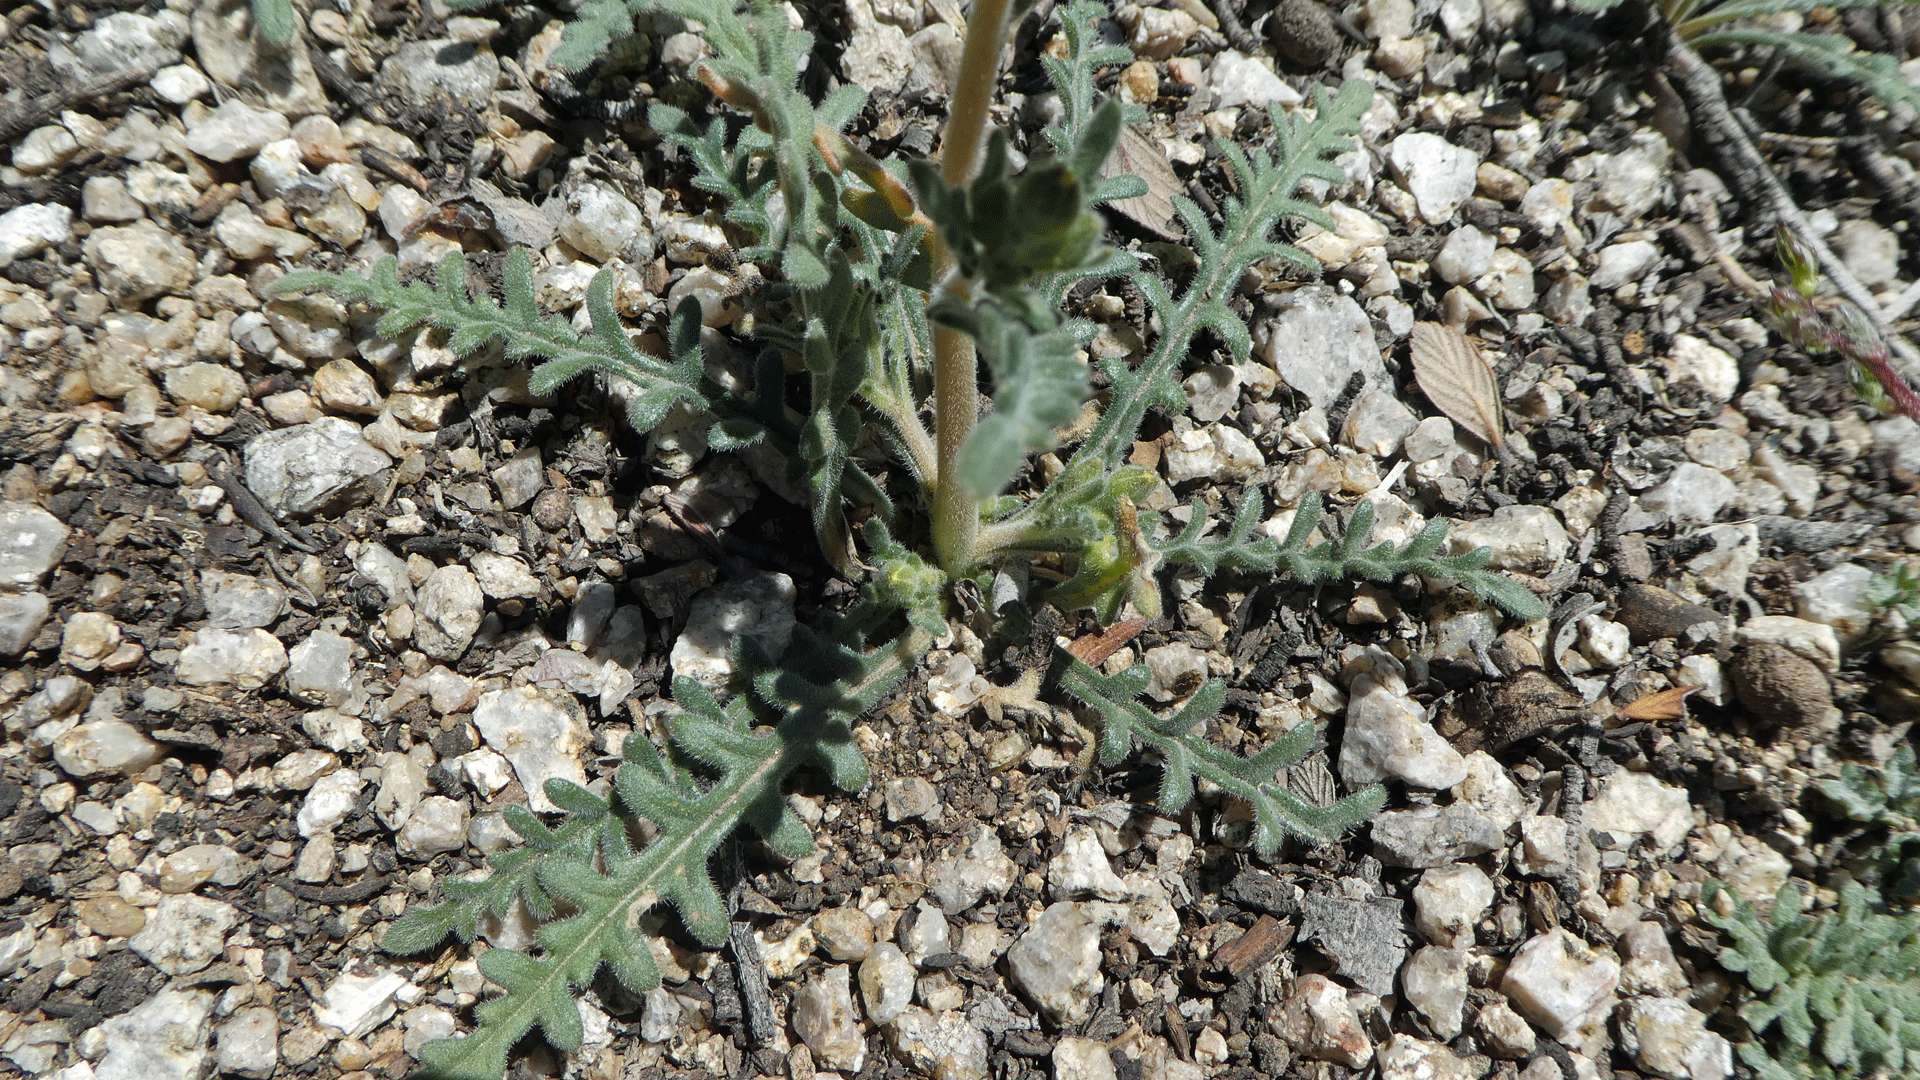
1749	172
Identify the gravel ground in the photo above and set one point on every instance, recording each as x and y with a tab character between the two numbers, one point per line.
296	611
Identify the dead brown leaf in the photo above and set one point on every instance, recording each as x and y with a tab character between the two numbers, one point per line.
1094	649
1139	155
1669	704
1457	379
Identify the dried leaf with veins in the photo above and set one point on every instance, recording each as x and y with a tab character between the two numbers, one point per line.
1457	379
1140	156
1668	704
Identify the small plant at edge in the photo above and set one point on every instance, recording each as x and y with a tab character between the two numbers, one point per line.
890	284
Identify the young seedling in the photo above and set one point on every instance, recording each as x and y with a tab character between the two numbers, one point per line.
890	283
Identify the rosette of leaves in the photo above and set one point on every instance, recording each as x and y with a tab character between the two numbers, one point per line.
1886	802
1834	995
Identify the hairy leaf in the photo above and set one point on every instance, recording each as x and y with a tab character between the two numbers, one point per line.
1186	756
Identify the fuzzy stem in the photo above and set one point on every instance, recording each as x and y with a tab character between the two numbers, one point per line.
956	390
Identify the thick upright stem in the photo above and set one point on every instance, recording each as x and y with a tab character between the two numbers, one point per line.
956	513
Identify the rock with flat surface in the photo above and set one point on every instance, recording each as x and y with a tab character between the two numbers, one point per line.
1318	339
1388	735
105	748
1439	175
1057	962
162	1038
32	542
246	659
824	1018
1669	1038
357	1001
318	468
1433	835
1561	984
249	1043
184	933
541	732
240	601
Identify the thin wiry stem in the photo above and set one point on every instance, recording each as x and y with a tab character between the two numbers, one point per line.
1749	170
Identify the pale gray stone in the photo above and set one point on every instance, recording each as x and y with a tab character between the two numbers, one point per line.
249	1043
1439	175
1075	1058
1669	1038
320	670
1631	804
824	1018
1240	80
1318	1019
1082	870
120	42
846	933
1559	983
1378	423
235	130
1624	262
32	228
924	933
504	577
541	732
317	468
135	263
1057	962
886	982
946	1045
1448	901
601	223
1316	341
357	1001
162	1038
1433	835
448	613
240	601
1388	735
423	70
247	659
1526	538
1435	981
437	824
185	933
759	607
960	881
1466	255
105	748
1692	495
32	542
329	800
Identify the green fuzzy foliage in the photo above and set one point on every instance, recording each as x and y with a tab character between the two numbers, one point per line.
1186	755
524	334
276	20
1347	558
1704	24
717	773
842	327
1887	801
1835	995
